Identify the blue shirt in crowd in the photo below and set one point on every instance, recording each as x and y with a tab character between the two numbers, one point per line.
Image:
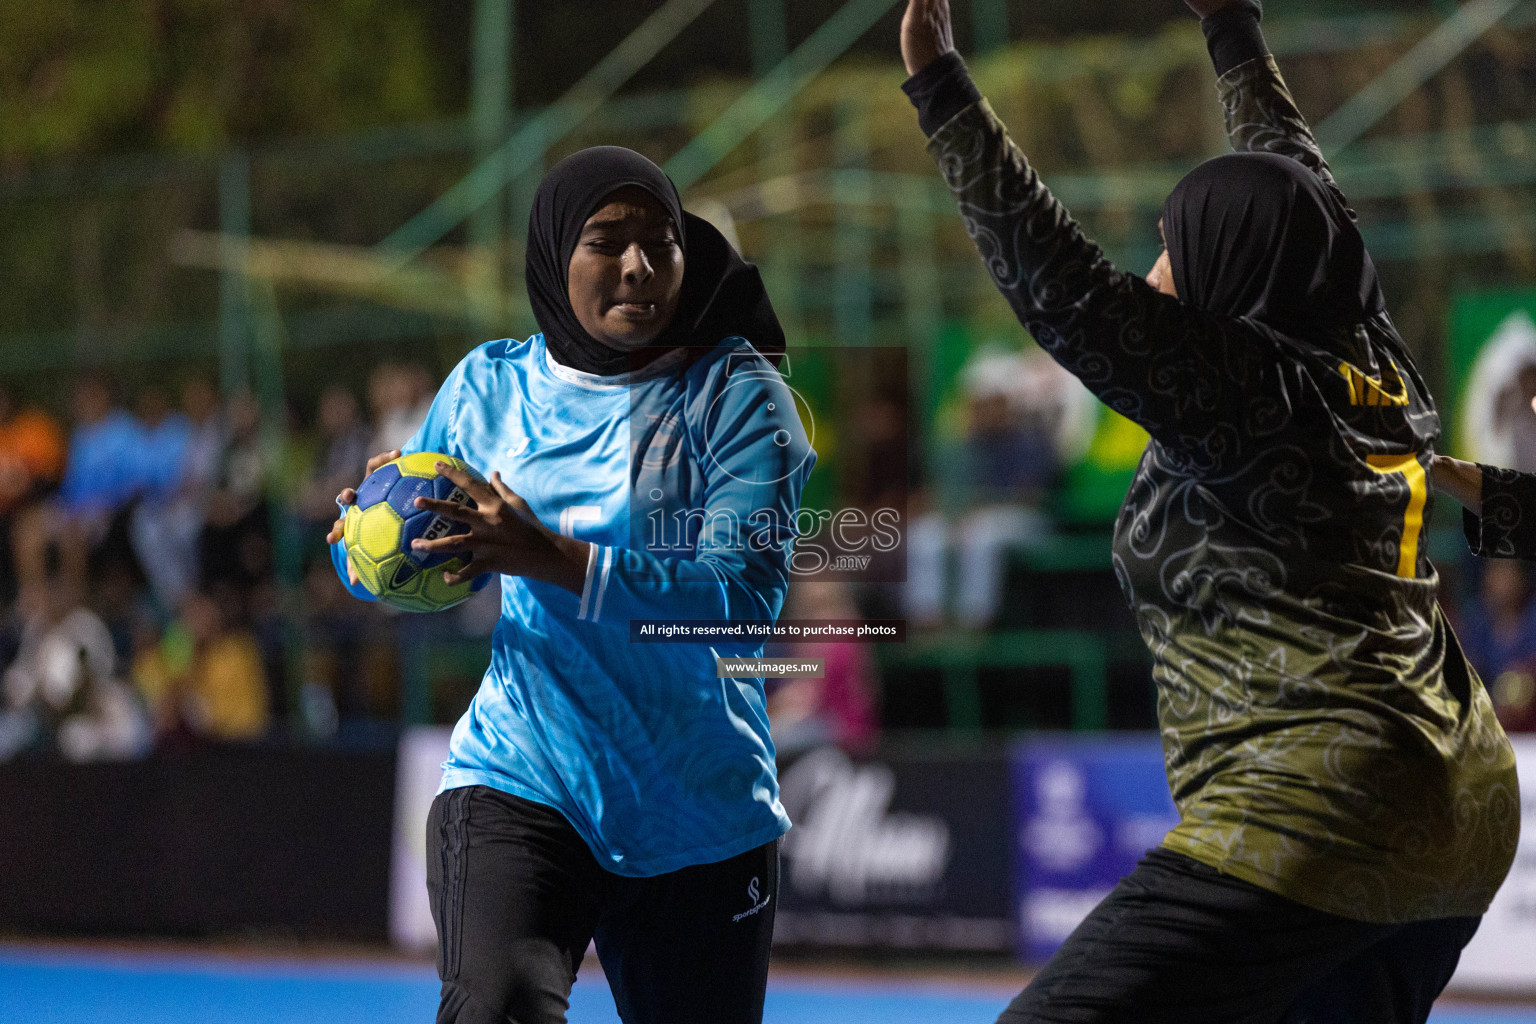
119	458
163	451
1491	653
104	470
686	479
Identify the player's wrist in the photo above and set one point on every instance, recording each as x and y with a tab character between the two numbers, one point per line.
567	563
940	91
1462	481
1206	8
1232	34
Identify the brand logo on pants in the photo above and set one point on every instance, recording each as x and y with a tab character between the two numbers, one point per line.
752	894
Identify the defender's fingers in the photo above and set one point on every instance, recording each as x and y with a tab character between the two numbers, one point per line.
464	575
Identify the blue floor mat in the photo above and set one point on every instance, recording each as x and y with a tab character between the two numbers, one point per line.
66	987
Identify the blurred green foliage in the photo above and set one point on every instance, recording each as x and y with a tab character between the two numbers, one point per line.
114	116
87	77
83	77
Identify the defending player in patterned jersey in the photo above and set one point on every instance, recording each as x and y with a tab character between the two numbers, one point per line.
1348	801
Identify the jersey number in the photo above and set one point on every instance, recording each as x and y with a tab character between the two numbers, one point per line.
1413	520
573	514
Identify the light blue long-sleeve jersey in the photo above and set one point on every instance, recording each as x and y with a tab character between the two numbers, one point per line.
686	479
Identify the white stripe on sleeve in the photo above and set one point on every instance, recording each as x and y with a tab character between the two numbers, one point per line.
602	583
586	587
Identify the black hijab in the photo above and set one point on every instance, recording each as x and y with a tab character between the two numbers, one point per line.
1259	235
722	294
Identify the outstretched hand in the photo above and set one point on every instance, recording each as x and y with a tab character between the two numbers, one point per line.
926	33
504	536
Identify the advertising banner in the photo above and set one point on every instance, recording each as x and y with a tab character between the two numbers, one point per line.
1087	809
907	849
419	771
200	842
1502	955
1491	373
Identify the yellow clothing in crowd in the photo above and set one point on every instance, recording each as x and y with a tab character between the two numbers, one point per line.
218	691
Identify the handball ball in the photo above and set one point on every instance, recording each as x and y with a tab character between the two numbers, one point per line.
379	529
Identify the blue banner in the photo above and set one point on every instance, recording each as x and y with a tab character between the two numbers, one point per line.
1085	811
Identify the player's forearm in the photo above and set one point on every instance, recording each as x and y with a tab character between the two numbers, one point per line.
1504	523
564	563
625	583
1036	254
1152	359
729	558
1460	480
1261	115
940	91
1233	36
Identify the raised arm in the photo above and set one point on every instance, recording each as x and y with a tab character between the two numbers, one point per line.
1261	115
1185	376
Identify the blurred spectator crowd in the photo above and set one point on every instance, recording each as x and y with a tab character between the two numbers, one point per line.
165	576
166	582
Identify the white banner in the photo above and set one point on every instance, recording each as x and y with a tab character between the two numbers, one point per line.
423	749
1502	955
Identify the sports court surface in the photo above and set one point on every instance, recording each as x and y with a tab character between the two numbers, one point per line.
62	985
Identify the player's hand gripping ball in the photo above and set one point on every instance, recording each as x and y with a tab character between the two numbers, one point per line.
379	528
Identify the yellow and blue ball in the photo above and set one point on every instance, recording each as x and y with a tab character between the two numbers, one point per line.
380	527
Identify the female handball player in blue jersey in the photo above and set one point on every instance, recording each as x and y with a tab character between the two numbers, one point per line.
645	462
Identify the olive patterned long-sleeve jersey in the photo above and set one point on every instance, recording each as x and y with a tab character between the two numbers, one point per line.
1506	526
1324	736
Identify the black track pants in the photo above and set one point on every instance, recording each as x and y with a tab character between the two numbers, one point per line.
1179	942
516	896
